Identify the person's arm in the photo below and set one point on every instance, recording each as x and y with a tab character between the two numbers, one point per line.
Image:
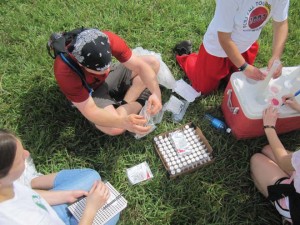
280	33
149	78
44	182
61	197
236	58
97	197
133	123
282	156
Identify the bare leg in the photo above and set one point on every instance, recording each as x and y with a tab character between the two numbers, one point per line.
137	84
110	130
132	107
265	172
267	151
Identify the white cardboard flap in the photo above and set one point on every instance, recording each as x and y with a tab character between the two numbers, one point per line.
186	91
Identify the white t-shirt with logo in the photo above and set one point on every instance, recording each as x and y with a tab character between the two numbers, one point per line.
27	208
244	19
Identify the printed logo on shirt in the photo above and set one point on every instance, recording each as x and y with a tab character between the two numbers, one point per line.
37	200
256	16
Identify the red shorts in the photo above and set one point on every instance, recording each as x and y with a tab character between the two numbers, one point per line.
205	71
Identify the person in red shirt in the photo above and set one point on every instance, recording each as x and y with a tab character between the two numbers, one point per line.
120	89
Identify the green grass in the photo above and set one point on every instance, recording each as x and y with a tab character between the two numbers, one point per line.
58	137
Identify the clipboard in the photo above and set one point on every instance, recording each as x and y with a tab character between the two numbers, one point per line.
114	205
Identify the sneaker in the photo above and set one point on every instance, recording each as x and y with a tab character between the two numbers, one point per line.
183	48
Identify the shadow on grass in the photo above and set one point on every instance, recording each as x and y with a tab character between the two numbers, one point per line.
49	125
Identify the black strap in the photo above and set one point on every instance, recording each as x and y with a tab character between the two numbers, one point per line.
58	43
279	191
76	68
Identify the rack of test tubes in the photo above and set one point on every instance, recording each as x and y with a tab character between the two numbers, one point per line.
183	150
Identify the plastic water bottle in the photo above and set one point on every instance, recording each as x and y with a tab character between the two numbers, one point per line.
219	124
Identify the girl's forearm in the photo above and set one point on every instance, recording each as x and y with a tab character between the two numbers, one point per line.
54	197
282	156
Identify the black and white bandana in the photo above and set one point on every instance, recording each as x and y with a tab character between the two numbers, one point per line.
92	50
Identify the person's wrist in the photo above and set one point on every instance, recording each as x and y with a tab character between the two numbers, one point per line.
269	127
89	214
243	67
123	121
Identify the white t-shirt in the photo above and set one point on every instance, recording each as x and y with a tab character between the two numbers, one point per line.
296	165
27	208
29	172
244	19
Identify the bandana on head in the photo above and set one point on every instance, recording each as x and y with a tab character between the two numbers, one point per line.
92	50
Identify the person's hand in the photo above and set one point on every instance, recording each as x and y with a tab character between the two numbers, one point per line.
154	104
278	71
72	196
270	116
254	73
136	124
290	101
97	196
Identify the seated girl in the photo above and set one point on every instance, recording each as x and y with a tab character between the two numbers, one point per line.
276	171
44	198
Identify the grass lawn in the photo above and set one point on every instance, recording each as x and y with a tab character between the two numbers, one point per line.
58	137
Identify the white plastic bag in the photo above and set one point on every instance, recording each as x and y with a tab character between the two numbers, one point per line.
164	76
139	173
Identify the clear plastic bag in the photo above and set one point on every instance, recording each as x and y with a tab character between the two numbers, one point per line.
149	119
177	107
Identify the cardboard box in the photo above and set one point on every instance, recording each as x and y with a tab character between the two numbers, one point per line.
189	159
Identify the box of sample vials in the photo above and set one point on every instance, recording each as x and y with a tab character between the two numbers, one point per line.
183	150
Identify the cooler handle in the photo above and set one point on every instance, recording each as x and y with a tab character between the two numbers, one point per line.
232	109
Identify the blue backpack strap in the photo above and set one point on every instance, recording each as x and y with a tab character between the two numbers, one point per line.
76	68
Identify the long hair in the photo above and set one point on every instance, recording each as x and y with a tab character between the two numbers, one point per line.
8	147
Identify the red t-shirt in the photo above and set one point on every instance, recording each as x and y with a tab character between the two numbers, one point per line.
70	83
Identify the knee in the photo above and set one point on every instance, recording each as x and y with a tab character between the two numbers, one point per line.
267	150
92	174
153	62
87	179
255	160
